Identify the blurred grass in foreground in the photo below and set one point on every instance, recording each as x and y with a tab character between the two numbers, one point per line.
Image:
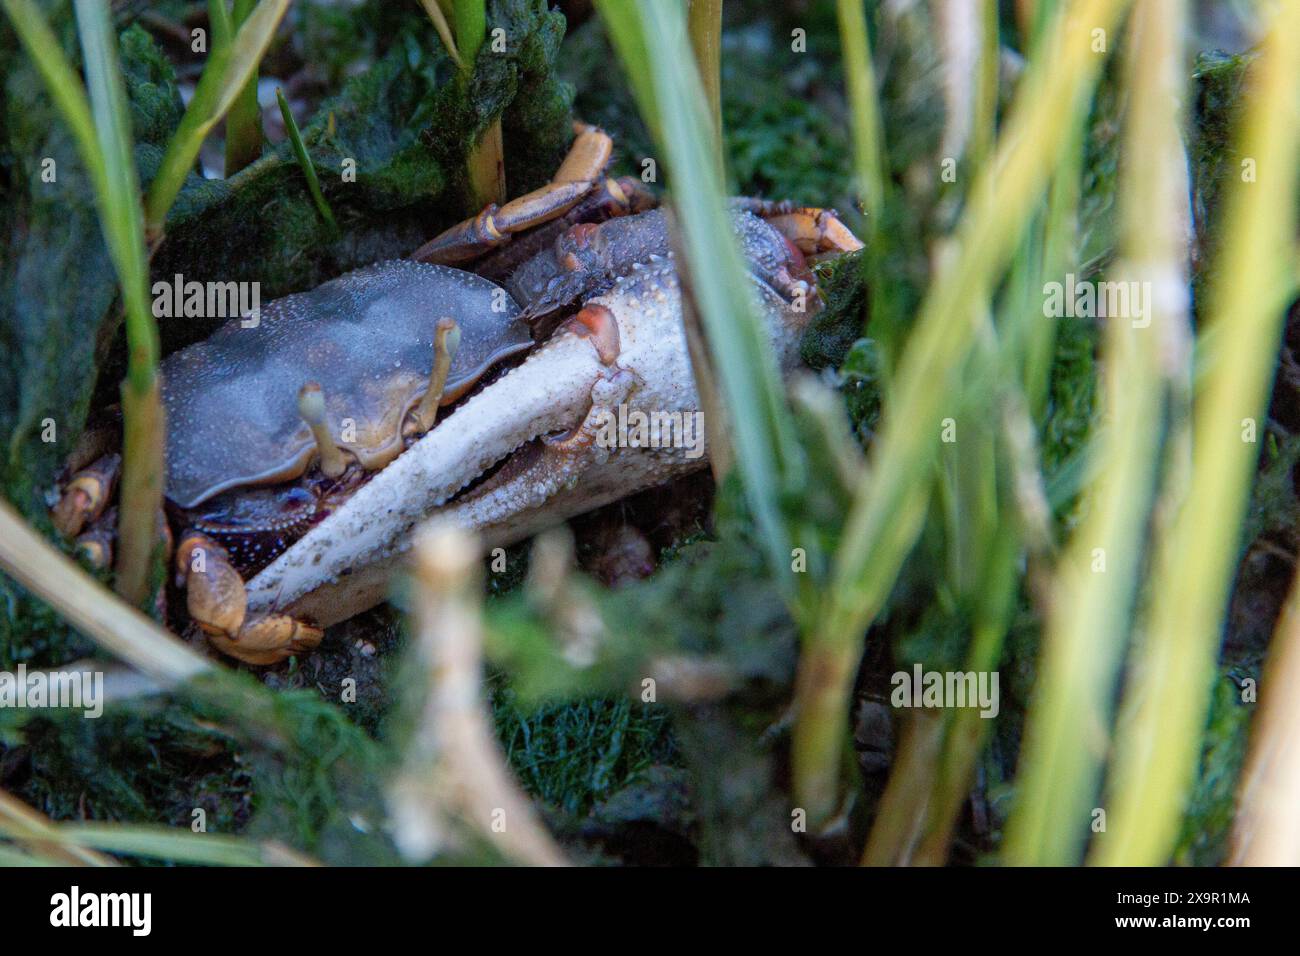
1028	177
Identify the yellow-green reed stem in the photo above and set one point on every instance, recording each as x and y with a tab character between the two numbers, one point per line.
984	126
888	511
1096	581
1164	712
868	138
898	819
223	28
101	129
704	25
704	22
470	20
116	627
916	817
1060	229
1030	18
439	18
37	833
244	121
1266	831
485	166
1017	522
141	490
142	458
305	163
966	730
226	74
646	36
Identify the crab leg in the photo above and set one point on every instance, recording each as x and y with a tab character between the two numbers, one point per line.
86	495
218	604
577	176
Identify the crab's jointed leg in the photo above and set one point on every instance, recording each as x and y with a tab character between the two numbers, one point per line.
218	603
577	176
86	495
95	544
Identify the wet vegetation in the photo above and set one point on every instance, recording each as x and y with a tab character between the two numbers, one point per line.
964	563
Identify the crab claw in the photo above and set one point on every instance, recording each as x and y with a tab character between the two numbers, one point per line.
812	230
218	604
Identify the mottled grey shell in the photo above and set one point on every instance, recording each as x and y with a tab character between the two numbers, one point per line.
365	337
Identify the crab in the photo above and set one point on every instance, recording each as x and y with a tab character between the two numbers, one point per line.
302	449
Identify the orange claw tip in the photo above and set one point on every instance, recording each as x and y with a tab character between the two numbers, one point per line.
597	323
816	231
839	237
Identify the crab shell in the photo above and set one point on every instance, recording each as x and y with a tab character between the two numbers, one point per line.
366	337
345	564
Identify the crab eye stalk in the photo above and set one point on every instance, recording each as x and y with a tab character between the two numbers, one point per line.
446	341
311	406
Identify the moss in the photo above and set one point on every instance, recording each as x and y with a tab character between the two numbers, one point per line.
833	331
574	754
404	126
150	763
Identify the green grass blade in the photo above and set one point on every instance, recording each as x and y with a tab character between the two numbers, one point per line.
470	21
1091	608
304	161
889	509
101	127
244	121
868	138
651	42
704	19
140	499
228	70
223	30
64	85
120	209
485	165
1165	711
